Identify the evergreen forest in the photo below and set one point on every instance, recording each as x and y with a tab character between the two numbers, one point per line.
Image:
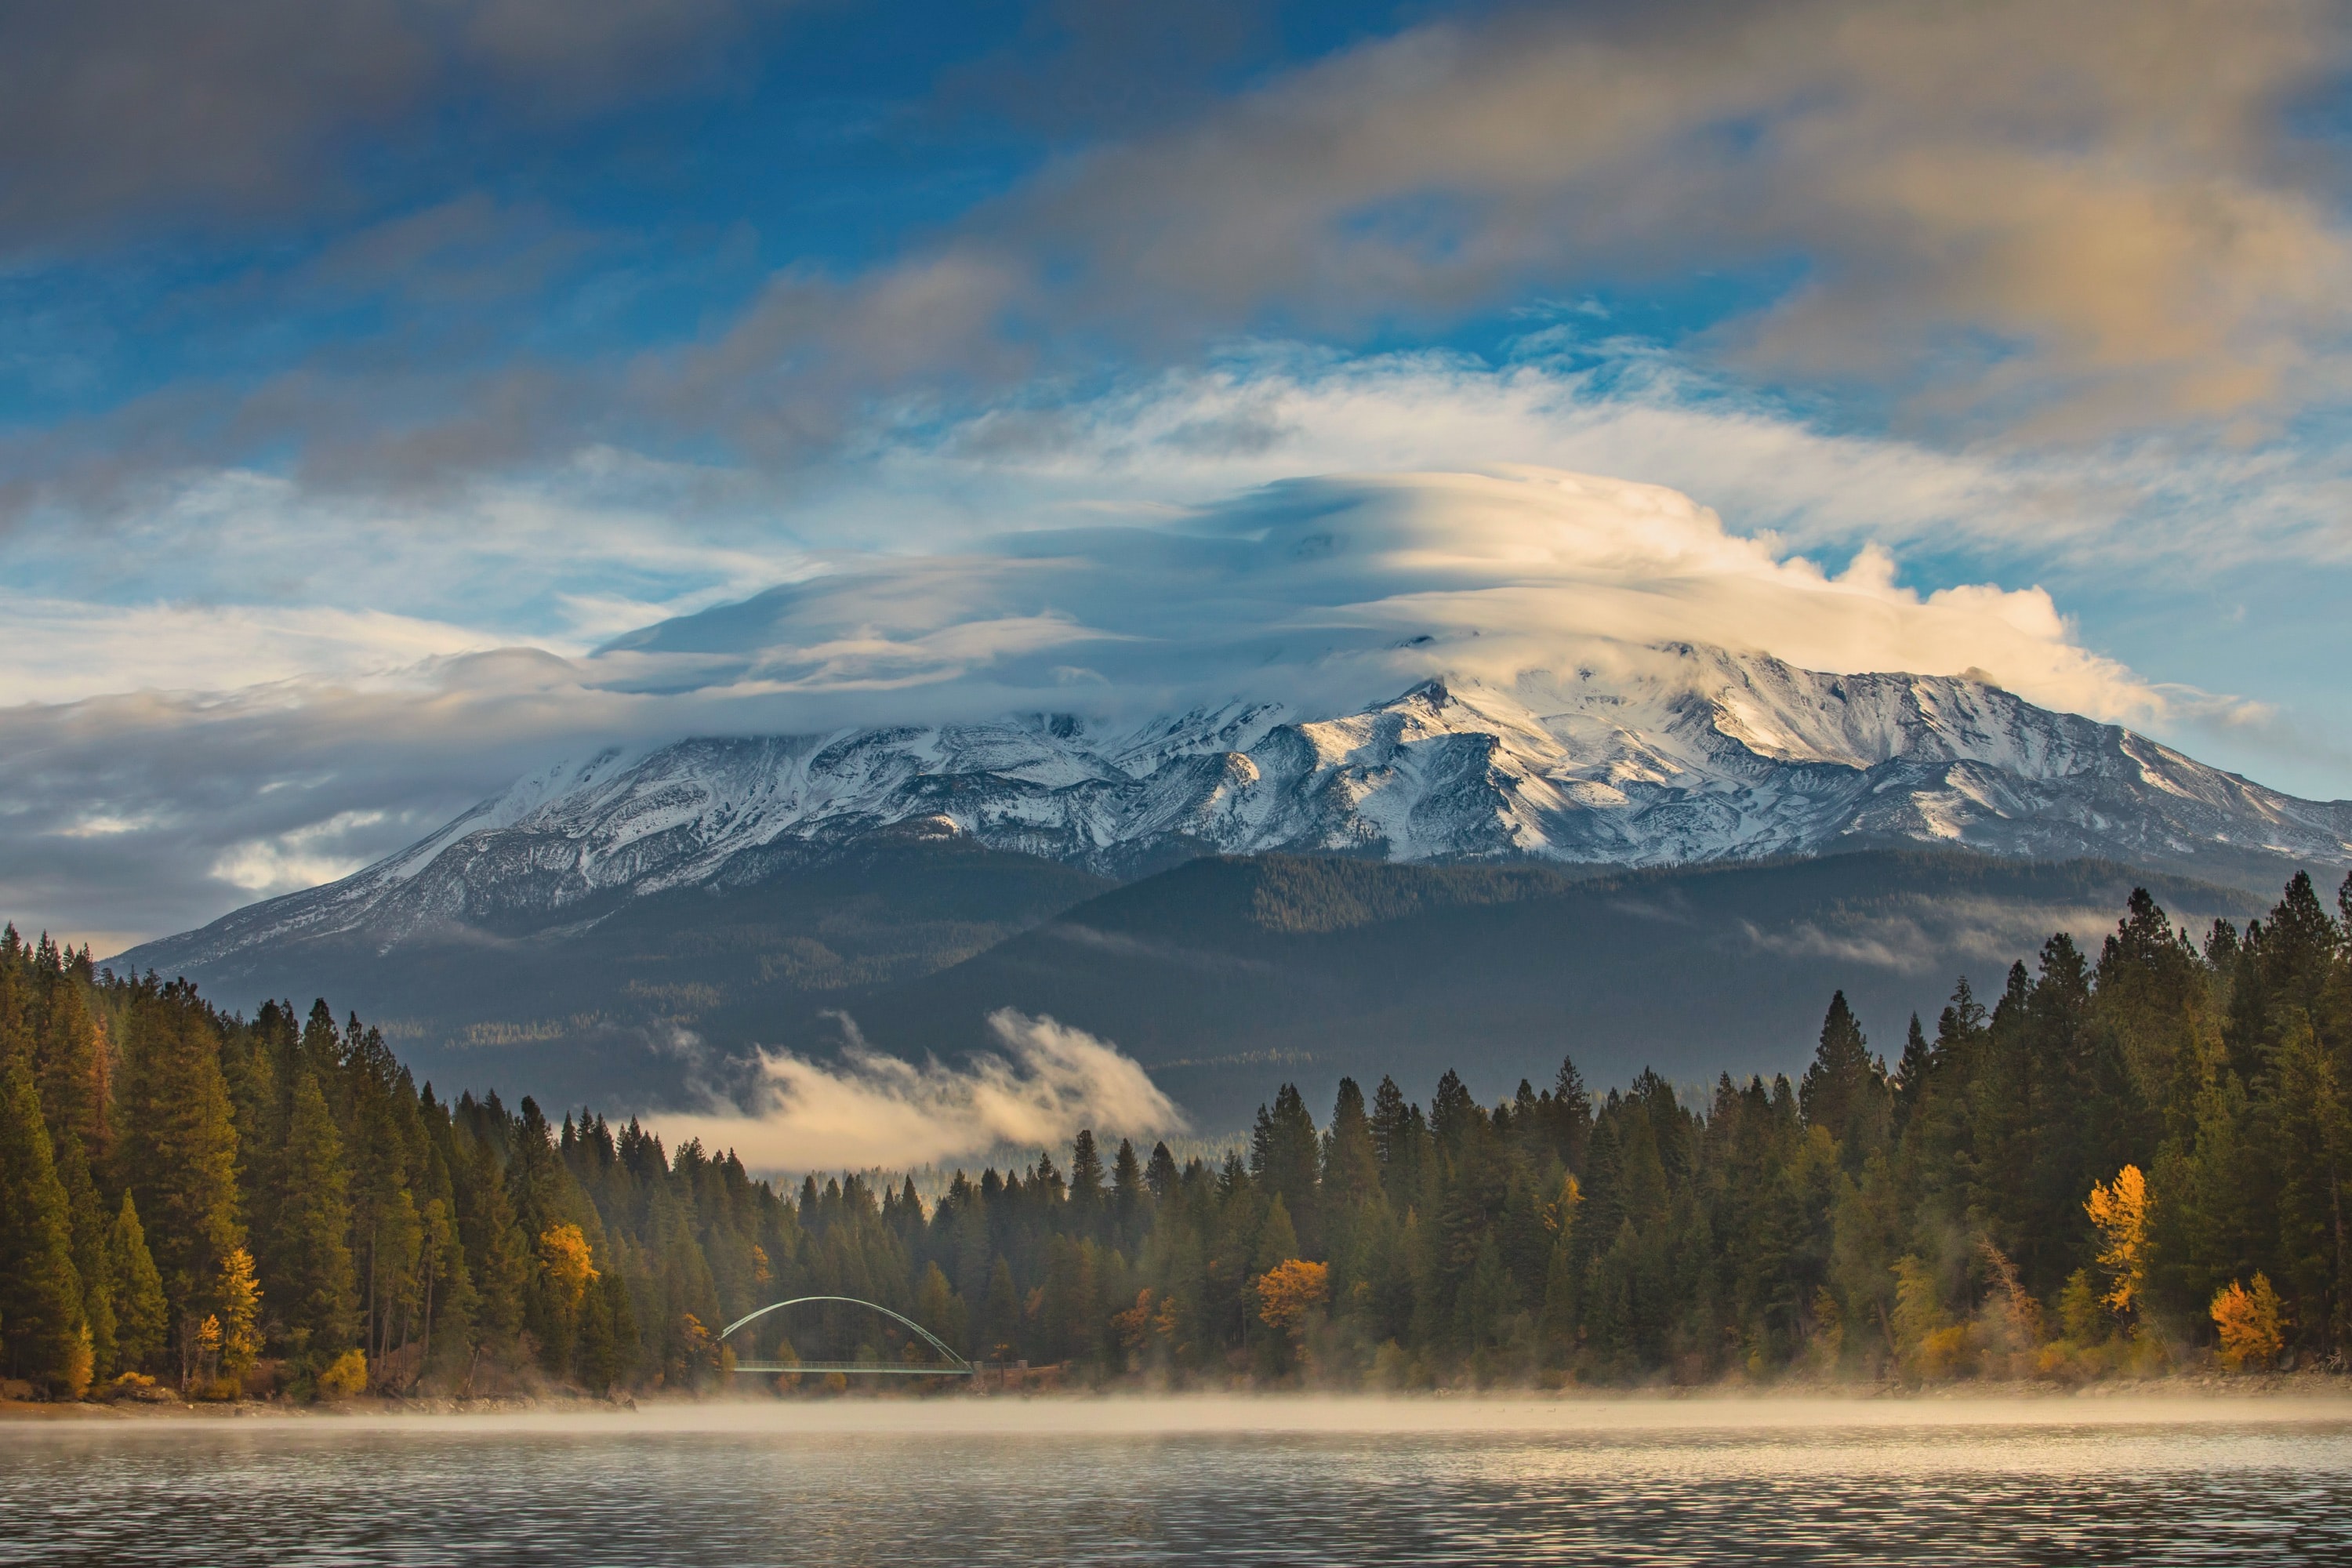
2125	1161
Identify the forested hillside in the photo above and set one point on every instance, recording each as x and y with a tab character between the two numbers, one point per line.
2130	1159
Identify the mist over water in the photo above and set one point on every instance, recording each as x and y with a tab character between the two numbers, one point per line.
1001	1481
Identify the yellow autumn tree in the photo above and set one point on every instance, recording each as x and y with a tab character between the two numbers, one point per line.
565	1257
2120	1210
80	1359
699	1352
1289	1290
1932	1347
2252	1327
240	1313
1559	1214
345	1375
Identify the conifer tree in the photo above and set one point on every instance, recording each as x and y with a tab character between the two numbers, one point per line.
1128	1196
1845	1090
1086	1180
1160	1175
1351	1162
312	1291
1570	1114
72	1079
621	1313
1287	1157
177	1149
91	1264
41	1318
1278	1239
141	1321
1911	1074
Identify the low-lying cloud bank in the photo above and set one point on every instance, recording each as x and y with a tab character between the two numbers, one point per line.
868	1109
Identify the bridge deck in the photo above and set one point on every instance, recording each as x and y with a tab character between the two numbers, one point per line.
871	1369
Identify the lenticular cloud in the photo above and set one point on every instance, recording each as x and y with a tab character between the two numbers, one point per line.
868	1109
1331	593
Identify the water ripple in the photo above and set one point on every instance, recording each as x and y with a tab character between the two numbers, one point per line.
304	1493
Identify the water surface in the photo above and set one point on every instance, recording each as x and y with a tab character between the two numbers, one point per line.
971	1480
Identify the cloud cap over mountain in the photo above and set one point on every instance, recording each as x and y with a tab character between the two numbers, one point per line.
1322	593
1335	591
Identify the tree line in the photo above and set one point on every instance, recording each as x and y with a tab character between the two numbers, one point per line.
2131	1161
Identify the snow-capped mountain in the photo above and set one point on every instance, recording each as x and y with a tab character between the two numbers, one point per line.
1706	756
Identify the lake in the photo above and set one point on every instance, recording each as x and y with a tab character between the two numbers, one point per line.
1004	1480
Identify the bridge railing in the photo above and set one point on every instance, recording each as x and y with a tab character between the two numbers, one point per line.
952	1364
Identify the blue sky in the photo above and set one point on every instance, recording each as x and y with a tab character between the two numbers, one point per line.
366	366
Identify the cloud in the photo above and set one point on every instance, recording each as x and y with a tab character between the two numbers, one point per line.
127	115
868	1109
304	857
2055	219
2018	221
75	649
1335	591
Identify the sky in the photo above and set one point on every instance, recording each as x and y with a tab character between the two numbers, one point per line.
374	374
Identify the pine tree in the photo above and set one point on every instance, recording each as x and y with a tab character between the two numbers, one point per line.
621	1313
41	1318
1128	1196
1085	1181
449	1300
141	1321
1911	1075
72	1052
1286	1160
1160	1175
1845	1090
1277	1240
312	1291
89	1254
178	1148
599	1357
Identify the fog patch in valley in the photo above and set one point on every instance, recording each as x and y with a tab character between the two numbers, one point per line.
868	1109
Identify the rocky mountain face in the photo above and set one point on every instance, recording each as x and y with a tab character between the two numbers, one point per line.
1714	757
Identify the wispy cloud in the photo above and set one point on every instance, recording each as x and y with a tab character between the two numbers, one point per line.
122	115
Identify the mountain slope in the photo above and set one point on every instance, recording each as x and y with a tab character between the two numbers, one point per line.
1227	976
1224	976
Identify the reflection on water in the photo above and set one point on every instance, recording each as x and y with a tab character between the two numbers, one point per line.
981	1482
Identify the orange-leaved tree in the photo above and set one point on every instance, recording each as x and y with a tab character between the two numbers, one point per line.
2253	1327
1288	1291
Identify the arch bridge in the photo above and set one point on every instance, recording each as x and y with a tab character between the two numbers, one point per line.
951	1364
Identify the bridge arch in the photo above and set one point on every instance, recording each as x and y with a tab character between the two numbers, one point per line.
952	1364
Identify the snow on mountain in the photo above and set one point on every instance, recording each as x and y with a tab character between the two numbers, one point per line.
1699	754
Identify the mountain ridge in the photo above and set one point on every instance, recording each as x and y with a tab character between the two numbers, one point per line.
1700	755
